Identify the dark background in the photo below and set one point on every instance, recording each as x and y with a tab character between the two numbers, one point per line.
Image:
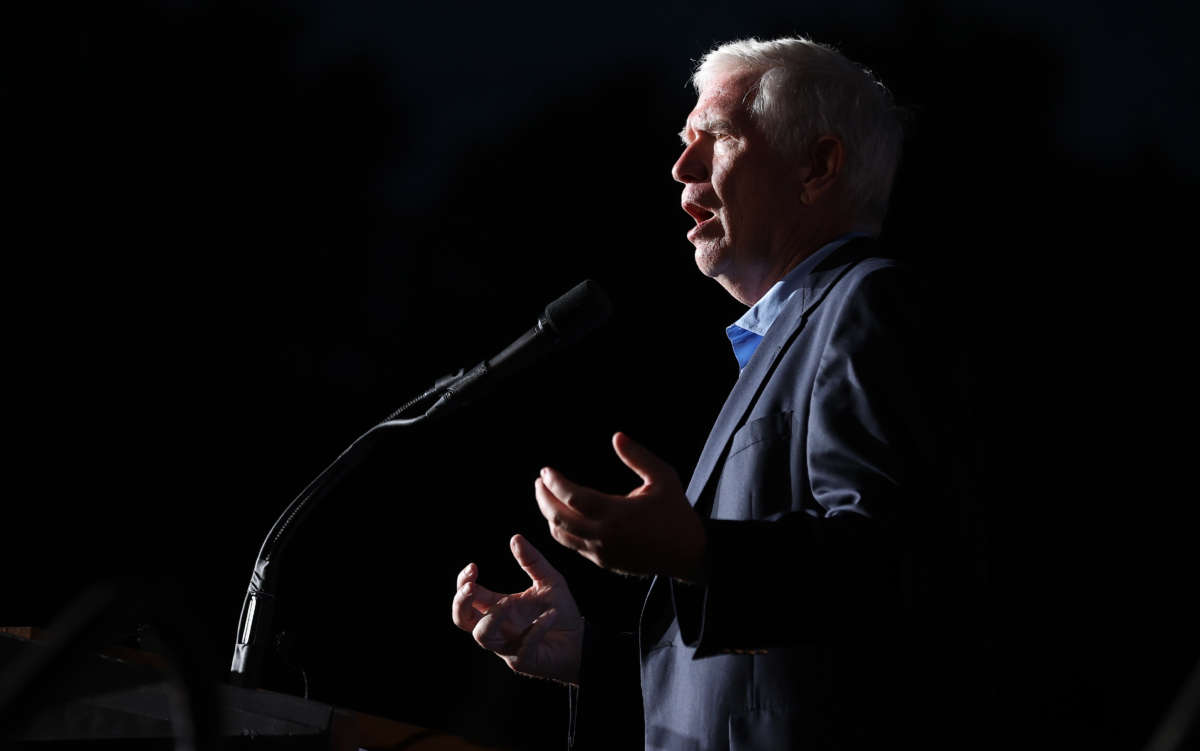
237	234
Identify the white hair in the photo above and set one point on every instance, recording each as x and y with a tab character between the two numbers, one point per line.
806	90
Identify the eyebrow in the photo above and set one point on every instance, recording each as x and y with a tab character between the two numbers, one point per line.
706	124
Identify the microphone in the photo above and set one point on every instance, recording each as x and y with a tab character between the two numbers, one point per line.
565	321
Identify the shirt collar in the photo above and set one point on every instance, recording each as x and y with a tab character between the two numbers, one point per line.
763	313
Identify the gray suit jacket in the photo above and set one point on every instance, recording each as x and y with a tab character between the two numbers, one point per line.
820	488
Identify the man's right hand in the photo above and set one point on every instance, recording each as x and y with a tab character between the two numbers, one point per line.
538	632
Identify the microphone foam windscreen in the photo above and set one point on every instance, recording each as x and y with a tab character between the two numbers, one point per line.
578	312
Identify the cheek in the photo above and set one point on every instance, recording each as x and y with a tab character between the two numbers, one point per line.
753	203
736	199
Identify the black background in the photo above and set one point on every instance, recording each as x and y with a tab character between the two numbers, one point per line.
238	234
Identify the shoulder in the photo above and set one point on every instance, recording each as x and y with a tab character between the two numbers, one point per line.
877	305
869	283
876	273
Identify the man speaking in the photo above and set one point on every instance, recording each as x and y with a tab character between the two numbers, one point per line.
790	576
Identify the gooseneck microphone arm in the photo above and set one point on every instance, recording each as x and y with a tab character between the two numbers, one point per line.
258	606
565	320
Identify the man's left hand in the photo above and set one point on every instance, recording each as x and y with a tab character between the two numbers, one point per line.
652	530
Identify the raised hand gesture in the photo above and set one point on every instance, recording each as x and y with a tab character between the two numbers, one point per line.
650	530
538	632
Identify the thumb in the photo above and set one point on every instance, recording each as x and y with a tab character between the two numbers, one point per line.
533	562
638	458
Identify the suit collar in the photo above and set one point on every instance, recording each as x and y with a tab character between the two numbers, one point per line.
759	317
811	290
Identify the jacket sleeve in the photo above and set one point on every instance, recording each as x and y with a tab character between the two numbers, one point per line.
606	705
840	557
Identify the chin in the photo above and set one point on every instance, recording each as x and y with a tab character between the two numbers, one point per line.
711	258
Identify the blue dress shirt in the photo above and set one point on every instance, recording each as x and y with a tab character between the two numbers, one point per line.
746	332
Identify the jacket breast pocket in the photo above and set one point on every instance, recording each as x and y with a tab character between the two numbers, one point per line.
777	728
755	479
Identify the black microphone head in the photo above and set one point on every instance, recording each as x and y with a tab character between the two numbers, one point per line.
584	308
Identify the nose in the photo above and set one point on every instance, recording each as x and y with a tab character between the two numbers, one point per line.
693	164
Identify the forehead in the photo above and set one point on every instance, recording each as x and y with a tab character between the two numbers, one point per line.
724	99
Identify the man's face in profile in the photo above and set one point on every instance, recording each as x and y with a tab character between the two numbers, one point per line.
742	196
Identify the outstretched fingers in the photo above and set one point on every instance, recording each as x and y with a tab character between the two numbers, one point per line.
533	563
640	459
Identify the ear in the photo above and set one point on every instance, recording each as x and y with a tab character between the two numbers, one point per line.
825	159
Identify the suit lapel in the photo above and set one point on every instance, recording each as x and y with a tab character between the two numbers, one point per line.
656	610
757	372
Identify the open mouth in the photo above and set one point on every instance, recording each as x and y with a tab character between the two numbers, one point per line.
706	219
698	212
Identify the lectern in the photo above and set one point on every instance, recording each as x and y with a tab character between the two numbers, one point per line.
118	699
